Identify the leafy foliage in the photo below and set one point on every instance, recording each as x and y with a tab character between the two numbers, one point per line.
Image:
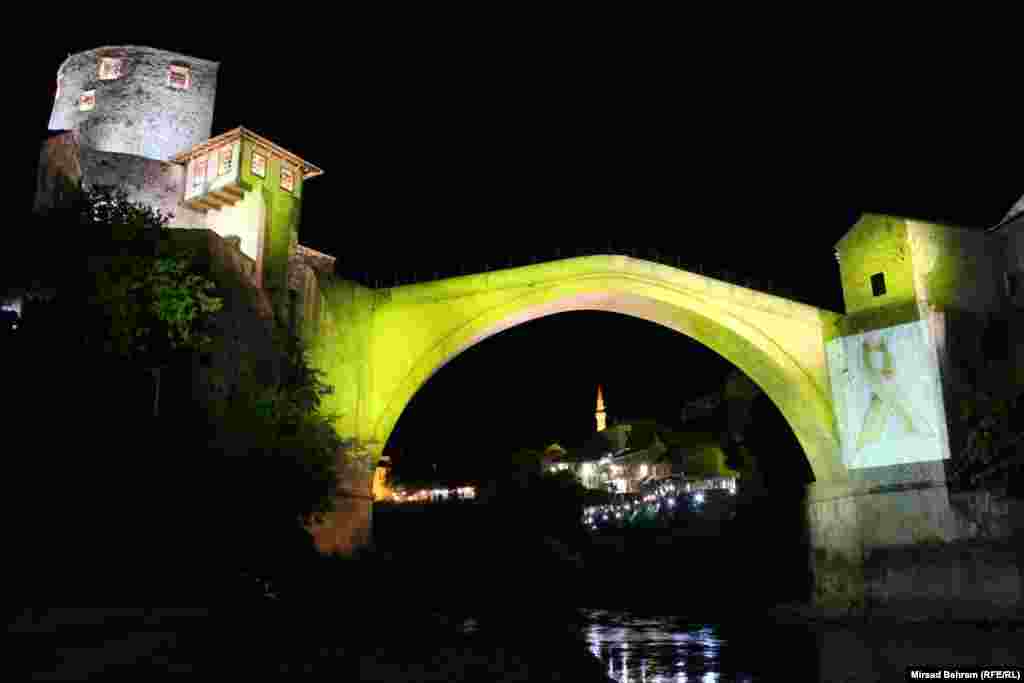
263	457
153	303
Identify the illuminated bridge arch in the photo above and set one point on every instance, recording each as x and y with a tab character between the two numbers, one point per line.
378	347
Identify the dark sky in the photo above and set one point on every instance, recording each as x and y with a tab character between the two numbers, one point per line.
445	153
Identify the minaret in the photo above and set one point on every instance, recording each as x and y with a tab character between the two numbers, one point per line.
600	410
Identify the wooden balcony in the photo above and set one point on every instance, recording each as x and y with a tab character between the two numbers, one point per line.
226	195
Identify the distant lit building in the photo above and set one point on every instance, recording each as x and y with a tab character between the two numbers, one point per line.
634	456
554	459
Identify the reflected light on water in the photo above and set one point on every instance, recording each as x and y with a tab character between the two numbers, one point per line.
655	650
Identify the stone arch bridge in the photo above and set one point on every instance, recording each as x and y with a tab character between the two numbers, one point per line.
377	347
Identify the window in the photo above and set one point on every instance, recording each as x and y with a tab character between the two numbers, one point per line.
287	178
259	165
878	284
87	100
225	158
198	173
179	77
110	68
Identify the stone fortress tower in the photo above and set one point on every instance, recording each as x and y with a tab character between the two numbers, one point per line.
140	119
136	100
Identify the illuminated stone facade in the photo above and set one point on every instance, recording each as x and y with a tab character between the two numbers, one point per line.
137	111
146	130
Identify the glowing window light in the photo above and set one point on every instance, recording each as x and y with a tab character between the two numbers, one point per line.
699	497
259	164
110	68
87	101
287	179
198	173
179	77
225	158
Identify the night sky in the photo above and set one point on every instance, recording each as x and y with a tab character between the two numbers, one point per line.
446	154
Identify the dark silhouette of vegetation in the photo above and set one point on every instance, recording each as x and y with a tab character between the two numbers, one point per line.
200	495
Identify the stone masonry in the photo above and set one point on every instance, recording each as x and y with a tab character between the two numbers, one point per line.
139	112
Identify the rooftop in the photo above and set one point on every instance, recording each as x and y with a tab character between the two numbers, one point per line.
309	170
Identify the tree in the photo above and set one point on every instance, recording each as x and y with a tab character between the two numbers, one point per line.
154	305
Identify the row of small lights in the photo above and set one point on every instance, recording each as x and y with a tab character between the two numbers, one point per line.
429	494
652	502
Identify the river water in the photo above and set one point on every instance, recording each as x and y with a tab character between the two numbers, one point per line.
481	644
646	647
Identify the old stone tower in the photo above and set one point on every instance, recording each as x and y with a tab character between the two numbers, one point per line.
140	119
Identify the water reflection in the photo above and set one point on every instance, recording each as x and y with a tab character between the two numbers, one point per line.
640	648
645	649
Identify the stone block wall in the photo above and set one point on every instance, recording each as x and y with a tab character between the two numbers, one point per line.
138	112
307	268
961	580
59	172
349	527
876	244
158	184
1015	240
955	269
914	547
988	514
65	164
242	328
1012	236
